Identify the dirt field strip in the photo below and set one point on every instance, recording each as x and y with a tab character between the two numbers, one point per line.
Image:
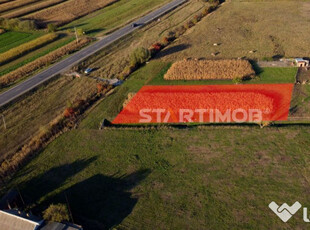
15	4
68	11
30	9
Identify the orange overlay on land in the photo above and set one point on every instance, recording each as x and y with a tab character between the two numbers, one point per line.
208	103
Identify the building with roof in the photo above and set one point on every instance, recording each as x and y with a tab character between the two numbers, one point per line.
14	219
300	62
60	226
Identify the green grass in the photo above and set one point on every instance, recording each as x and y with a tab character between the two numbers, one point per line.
173	178
152	74
278	75
267	75
11	39
113	16
112	104
35	56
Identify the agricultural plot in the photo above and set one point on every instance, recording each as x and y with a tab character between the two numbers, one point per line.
56	96
15	4
27	47
277	75
67	11
201	104
176	178
206	177
113	16
208	69
29	9
47	59
266	75
240	29
11	39
13	65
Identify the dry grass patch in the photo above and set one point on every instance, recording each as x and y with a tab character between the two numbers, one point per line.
209	69
68	11
46	104
266	28
32	8
15	4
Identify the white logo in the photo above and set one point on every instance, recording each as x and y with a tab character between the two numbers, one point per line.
284	212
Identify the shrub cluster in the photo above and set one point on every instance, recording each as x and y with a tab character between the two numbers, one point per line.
18	24
140	55
22	72
56	213
210	69
27	47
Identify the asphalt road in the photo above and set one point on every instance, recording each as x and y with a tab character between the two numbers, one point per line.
65	64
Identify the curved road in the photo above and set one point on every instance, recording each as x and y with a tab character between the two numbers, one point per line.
65	64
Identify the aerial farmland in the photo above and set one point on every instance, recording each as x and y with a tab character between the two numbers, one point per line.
167	114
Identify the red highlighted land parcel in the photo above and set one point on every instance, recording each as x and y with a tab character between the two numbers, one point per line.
208	103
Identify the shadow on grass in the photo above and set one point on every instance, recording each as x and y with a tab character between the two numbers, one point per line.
171	50
72	27
102	202
94	31
258	70
99	202
51	180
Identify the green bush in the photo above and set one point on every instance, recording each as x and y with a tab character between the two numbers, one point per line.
56	213
17	24
237	80
139	56
51	27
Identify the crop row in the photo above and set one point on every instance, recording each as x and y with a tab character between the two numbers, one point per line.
68	11
209	69
41	62
27	47
15	4
32	8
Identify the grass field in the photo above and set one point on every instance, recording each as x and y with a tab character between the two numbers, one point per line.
278	75
30	9
67	11
208	177
109	61
154	179
266	75
11	39
56	97
4	69
241	27
113	16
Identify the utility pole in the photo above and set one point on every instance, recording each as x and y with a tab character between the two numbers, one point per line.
3	121
68	205
76	35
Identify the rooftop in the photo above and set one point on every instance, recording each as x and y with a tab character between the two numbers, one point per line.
15	220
